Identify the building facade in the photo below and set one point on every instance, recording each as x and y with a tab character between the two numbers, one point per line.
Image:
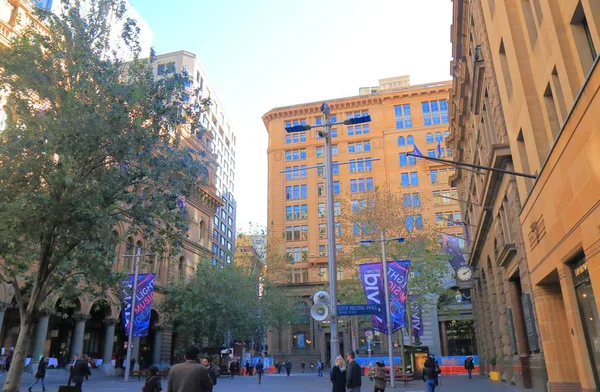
95	326
224	140
402	116
531	68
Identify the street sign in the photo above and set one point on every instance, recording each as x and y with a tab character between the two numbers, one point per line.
357	310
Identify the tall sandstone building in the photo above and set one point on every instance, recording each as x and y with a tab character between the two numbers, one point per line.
402	115
525	98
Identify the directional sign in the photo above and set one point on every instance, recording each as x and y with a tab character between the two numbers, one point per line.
356	310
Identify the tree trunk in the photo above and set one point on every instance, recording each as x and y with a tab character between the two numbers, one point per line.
13	378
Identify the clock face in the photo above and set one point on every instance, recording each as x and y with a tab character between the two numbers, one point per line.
464	273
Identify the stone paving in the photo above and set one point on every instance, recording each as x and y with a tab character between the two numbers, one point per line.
271	383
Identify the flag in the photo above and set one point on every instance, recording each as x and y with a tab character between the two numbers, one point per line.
438	150
144	295
416	151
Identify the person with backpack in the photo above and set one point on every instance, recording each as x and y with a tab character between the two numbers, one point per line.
153	381
40	374
469	365
259	370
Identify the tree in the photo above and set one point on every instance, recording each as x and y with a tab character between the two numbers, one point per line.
89	142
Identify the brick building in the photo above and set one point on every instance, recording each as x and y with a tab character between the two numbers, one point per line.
525	98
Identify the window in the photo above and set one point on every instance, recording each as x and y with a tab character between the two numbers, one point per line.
360	165
357	114
359	146
457	216
433	174
416	197
410	140
406	198
338	229
229	246
322	250
319	120
443	177
296	212
320	152
170	67
337	208
401	141
297	255
296	233
403	119
438	137
289	256
304	234
320	169
322	230
361	185
321	189
403	159
323	274
305	279
336	187
335	168
411	200
582	37
431	153
436	198
288	233
334	133
439	219
338	248
334	149
321	210
340	273
429	138
414	178
505	69
295	172
295	155
413	222
358	130
446	134
304	253
128	259
295	137
435	112
297	278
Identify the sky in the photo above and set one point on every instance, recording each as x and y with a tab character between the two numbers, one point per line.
262	54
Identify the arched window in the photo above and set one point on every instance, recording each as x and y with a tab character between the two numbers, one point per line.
438	136
429	138
446	134
303	311
128	258
181	269
401	141
410	140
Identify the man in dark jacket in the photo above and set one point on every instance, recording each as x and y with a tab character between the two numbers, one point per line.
259	370
80	371
469	365
189	376
207	363
353	373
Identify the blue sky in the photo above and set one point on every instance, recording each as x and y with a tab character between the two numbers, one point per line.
261	54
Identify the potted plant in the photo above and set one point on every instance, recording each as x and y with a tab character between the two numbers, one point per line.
494	375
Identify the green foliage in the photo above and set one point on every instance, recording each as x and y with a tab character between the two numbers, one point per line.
224	299
90	142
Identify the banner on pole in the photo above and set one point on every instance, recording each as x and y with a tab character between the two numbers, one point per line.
450	245
143	303
416	316
371	275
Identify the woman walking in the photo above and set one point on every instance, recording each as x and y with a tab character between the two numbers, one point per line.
338	375
40	374
379	376
153	382
430	375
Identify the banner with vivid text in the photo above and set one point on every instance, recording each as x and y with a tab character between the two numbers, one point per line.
416	315
144	294
371	276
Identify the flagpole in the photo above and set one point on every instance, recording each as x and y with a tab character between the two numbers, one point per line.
456	163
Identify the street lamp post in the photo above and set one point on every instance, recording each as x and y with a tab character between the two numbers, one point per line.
388	314
326	134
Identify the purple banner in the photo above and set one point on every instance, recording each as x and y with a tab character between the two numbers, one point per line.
416	316
450	245
371	276
143	303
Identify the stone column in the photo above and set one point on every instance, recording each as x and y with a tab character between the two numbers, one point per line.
157	346
41	332
444	336
3	307
135	352
109	333
77	346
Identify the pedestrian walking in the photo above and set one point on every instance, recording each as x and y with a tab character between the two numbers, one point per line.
9	359
338	375
278	366
189	376
379	377
75	358
207	363
288	367
40	374
469	365
320	369
80	371
430	375
353	373
259	370
303	366
232	368
152	383
247	366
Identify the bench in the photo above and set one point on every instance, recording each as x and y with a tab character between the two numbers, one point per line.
405	377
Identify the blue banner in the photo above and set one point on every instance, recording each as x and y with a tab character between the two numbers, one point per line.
371	275
143	303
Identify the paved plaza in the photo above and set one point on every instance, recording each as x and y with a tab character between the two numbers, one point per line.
271	383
